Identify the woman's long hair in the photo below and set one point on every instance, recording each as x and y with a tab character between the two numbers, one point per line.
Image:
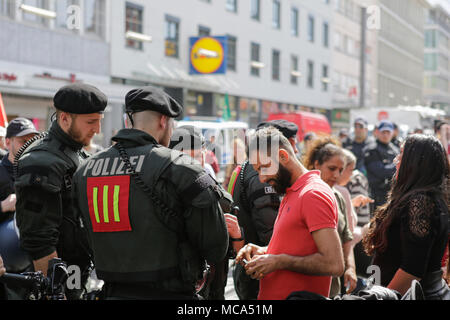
424	168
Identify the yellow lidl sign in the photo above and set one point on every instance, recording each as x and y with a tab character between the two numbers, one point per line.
208	55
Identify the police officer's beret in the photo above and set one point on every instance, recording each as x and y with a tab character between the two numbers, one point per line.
287	128
153	99
80	98
187	138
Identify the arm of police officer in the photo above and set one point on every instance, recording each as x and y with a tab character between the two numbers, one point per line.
39	213
207	231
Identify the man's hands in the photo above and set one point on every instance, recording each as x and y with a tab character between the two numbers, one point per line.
2	267
9	204
257	263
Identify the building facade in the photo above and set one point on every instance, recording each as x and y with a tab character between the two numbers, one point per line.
47	44
278	55
347	59
400	46
437	59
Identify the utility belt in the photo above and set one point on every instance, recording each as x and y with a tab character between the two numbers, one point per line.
143	291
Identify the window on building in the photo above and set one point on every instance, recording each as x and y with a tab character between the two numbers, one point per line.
326	34
276	14
204	31
310	74
231	5
255	58
172	36
232	53
294	22
311	28
295	72
34	18
134	22
430	38
337	41
325	79
95	17
430	62
276	65
8	8
255	9
62	15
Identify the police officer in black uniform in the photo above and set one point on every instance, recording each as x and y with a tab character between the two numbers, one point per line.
48	225
258	209
379	161
153	217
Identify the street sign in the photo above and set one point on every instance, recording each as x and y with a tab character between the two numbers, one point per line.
208	55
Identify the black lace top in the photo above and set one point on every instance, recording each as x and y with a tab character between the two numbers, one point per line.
416	239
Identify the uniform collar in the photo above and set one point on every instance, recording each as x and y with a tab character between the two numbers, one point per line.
383	144
134	137
64	138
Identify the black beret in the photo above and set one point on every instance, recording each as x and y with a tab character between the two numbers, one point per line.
288	129
187	138
154	99
80	99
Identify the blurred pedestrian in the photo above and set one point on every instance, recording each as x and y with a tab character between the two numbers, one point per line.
308	139
304	251
379	161
19	131
3	150
327	157
2	267
442	132
258	208
359	142
239	156
396	138
48	224
357	186
344	136
408	235
93	148
152	216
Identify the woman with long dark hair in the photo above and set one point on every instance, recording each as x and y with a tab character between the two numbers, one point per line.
409	234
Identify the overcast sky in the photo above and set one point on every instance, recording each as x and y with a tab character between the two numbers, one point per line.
443	3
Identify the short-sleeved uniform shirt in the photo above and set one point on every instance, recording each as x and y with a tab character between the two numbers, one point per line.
309	205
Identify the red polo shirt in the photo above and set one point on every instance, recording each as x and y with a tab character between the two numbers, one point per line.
309	205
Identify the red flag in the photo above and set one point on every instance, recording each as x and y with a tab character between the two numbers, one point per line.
3	118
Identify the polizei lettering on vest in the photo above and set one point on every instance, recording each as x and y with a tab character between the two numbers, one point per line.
112	166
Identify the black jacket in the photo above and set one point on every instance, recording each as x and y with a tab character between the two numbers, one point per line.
379	162
44	209
6	185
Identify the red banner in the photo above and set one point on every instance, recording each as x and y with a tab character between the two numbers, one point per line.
3	118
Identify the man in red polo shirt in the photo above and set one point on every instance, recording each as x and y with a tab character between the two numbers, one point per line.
304	251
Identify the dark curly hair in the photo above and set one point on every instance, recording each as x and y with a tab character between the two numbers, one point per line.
322	149
424	168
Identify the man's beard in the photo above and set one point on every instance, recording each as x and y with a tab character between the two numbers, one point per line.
77	135
283	180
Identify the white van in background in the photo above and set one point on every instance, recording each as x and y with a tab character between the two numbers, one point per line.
224	133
